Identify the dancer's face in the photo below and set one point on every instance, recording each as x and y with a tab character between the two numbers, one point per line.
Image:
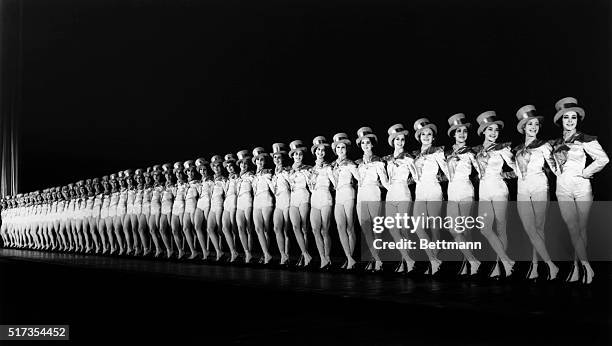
97	187
532	127
202	170
491	132
570	121
320	153
278	160
426	136
399	142
260	162
130	181
298	156
139	179
461	134
179	175
244	166
147	179
157	177
191	173
168	176
231	168
216	168
366	145
341	150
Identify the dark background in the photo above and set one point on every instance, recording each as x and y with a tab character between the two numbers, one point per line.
109	85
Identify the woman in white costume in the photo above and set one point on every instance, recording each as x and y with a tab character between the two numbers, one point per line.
461	162
493	191
167	202
400	167
215	215
263	202
178	209
228	221
73	209
429	161
156	190
372	175
139	219
244	206
191	199
131	218
345	173
532	158
322	180
106	223
121	221
90	217
574	191
144	225
282	194
299	208
203	205
96	214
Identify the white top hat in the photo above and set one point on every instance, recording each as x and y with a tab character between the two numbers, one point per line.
259	152
487	119
422	124
318	141
243	155
296	145
524	114
340	138
365	132
394	131
456	121
565	105
279	148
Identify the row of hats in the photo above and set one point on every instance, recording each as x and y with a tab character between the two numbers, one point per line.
524	114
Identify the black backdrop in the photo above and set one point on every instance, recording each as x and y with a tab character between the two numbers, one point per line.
109	85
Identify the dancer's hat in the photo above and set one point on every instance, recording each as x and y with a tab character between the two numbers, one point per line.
259	152
487	119
296	146
243	155
422	124
318	142
456	121
566	105
365	132
396	130
524	114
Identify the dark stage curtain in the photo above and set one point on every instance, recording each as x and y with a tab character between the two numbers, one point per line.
10	93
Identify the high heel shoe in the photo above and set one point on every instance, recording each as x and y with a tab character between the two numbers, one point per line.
530	271
463	269
587	278
400	268
549	274
495	272
432	268
574	274
377	269
513	274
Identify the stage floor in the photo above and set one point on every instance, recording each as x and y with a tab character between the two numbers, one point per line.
109	299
